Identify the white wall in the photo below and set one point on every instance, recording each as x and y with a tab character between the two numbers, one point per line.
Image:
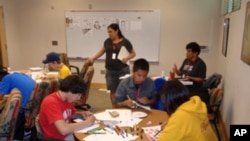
40	22
31	25
236	106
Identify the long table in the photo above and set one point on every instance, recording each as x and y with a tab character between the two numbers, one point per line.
154	117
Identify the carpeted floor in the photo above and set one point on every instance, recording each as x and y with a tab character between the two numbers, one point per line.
99	100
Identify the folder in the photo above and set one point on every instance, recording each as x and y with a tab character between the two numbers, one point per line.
123	53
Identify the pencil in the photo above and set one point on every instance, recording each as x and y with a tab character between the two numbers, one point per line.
128	97
158	132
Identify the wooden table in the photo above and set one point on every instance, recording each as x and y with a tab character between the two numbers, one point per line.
155	117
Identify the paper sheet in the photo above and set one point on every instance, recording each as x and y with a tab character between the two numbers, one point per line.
124	119
123	53
86	129
142	106
109	137
152	132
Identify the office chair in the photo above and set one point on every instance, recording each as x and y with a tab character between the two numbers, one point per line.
213	81
159	82
8	116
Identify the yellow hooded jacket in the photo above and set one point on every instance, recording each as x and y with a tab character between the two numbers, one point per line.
189	123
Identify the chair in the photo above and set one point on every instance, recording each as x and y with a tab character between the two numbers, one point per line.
64	58
40	135
85	68
213	81
216	96
159	82
9	114
40	91
87	77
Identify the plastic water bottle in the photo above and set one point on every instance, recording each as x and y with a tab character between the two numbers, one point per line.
163	74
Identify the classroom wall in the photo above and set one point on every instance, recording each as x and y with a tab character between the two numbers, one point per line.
32	25
40	22
235	72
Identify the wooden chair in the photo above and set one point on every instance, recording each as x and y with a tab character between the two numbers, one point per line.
85	68
40	135
216	96
9	114
87	77
40	91
64	58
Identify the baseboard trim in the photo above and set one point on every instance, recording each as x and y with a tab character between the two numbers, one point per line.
98	86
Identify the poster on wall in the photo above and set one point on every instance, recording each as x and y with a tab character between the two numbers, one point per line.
245	52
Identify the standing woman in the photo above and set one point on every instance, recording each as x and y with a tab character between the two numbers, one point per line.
115	67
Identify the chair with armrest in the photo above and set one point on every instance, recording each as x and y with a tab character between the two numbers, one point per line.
84	69
8	116
216	96
213	81
64	58
87	77
40	91
40	135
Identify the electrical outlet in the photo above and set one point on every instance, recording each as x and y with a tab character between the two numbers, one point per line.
54	43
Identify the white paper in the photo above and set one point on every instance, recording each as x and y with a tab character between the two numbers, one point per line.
125	76
86	129
123	53
124	119
142	106
109	137
152	132
35	69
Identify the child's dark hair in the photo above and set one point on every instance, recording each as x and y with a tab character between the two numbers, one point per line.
141	64
74	84
173	94
195	47
3	72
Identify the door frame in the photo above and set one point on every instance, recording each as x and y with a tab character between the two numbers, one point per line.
3	44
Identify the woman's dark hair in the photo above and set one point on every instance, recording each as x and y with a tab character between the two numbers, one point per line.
173	94
116	27
141	64
74	84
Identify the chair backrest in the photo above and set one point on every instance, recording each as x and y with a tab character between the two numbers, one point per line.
9	115
216	96
85	68
88	79
213	81
159	82
64	58
40	91
40	135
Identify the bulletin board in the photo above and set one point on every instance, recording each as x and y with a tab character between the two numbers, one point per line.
86	31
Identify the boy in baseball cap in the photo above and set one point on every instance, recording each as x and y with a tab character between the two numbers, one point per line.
54	62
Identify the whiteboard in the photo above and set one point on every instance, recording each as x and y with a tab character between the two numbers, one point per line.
86	32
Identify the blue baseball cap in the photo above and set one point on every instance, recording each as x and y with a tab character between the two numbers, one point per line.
52	56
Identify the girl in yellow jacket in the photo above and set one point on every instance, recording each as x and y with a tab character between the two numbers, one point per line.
188	120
